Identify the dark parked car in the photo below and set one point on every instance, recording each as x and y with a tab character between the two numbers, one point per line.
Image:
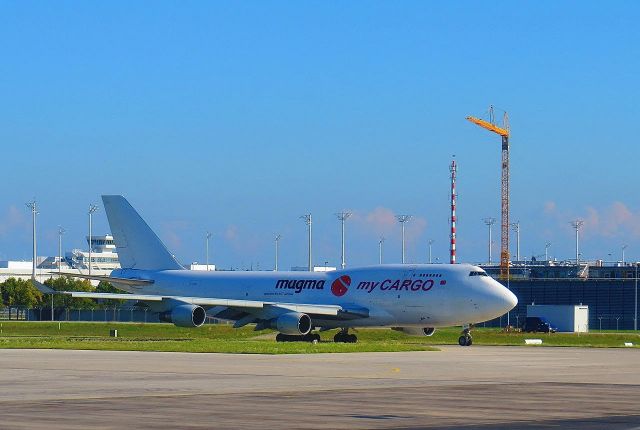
537	324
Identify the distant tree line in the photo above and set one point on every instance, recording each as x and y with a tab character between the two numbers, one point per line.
22	292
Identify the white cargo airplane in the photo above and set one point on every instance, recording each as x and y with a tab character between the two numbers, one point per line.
414	298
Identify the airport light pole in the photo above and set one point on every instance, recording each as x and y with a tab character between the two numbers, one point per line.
623	248
34	211
307	220
430	243
343	216
380	245
546	251
516	228
577	225
61	231
635	309
402	219
207	237
278	237
489	222
92	209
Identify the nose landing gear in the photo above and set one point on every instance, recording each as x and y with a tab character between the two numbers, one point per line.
465	339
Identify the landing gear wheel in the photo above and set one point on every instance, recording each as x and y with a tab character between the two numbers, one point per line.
465	339
281	337
344	337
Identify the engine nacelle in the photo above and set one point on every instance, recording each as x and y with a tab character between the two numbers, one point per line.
416	331
185	316
295	323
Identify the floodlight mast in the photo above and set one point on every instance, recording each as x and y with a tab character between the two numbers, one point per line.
380	245
343	216
61	231
34	211
308	221
207	237
278	237
516	228
402	219
577	225
546	251
92	209
489	222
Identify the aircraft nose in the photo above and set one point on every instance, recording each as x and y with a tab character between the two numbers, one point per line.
511	299
507	298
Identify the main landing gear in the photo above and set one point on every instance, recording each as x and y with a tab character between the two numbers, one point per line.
465	339
343	336
309	337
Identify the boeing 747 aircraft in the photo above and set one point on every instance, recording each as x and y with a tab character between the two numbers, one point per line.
414	298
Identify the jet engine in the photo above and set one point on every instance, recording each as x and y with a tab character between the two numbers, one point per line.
295	323
417	331
185	316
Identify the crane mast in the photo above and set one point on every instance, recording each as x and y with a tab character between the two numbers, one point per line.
503	132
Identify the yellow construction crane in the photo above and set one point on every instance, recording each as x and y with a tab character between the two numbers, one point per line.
504	228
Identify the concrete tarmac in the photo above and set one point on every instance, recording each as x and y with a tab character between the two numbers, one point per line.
477	387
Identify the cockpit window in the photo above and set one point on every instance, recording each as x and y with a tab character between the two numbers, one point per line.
478	273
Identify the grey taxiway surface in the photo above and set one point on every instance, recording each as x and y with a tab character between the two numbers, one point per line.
476	387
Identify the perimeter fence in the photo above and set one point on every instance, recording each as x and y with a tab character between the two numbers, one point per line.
116	314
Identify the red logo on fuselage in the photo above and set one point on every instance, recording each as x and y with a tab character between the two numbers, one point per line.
340	285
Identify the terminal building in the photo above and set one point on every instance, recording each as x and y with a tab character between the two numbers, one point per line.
103	257
608	289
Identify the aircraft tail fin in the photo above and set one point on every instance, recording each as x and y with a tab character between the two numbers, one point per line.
137	245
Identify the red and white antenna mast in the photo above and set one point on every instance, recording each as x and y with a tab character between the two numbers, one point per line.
453	169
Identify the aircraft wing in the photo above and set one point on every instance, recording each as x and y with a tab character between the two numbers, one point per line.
125	281
247	310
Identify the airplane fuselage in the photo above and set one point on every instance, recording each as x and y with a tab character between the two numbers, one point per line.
412	295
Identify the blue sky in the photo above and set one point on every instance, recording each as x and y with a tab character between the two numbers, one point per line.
237	117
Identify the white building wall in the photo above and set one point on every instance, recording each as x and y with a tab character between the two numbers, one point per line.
566	318
202	267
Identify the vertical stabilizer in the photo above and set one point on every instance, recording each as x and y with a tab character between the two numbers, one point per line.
138	246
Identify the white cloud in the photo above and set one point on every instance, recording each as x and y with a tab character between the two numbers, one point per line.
172	233
613	221
12	219
549	207
383	222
